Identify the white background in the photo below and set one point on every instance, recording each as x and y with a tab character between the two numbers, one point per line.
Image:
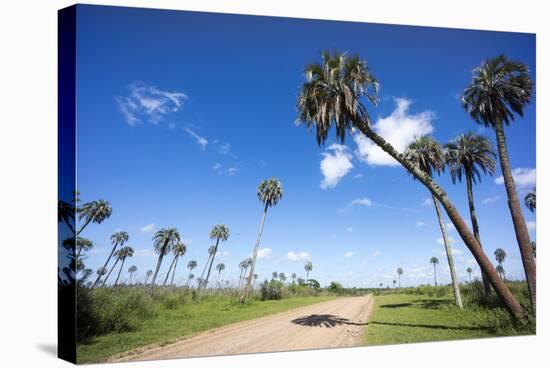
28	179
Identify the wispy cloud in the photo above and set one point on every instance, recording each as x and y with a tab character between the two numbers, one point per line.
348	254
399	129
264	253
490	200
336	163
349	229
147	228
203	142
218	168
524	178
531	225
442	252
451	240
427	201
376	253
297	256
419	223
146	103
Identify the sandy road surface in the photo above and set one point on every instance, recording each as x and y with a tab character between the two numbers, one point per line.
331	324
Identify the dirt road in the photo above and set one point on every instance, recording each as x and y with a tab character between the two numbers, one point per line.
336	323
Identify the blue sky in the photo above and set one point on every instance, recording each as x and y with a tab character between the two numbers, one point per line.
181	115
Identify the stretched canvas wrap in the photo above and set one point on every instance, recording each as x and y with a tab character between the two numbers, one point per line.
236	184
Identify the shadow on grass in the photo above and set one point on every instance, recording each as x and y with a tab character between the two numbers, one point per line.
325	320
436	327
400	305
420	303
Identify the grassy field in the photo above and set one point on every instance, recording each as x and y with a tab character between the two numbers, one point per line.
170	323
402	318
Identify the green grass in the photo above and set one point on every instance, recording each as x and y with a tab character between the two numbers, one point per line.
170	324
401	318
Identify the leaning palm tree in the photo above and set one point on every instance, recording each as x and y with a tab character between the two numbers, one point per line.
211	251
122	254
220	267
468	156
164	240
132	269
500	270
469	270
190	278
270	192
500	90
334	93
219	232
254	277
435	262
531	200
429	157
500	255
308	267
191	265
101	271
399	273
117	240
147	275
96	211
178	251
245	263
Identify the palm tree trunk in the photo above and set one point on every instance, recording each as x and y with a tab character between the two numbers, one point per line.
449	251
508	299
240	279
307	276
399	281
130	279
475	228
168	273
435	276
522	234
159	262
256	246
120	270
212	262
174	271
105	266
189	277
204	270
146	279
109	274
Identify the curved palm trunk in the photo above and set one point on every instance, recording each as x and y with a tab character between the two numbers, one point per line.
212	262
104	266
130	279
522	234
109	274
435	276
119	271
168	273
254	256
204	270
508	299
159	262
189	277
307	276
449	251
475	228
240	278
174	271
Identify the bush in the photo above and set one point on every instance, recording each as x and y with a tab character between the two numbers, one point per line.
336	287
272	290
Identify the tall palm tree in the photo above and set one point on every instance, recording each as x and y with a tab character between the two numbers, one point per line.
500	256
500	90
95	211
308	267
101	271
191	265
178	251
282	277
435	262
164	240
334	94
269	192
132	269
399	273
500	270
469	270
429	157
293	277
147	275
468	156
122	254
117	240
219	232
211	251
531	200
220	267
274	275
254	277
245	263
190	278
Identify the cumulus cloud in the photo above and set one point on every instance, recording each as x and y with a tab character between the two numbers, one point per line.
297	256
357	202
490	200
523	178
149	103
336	163
399	129
203	142
147	228
264	253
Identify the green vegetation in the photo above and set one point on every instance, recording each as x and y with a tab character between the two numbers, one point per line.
136	319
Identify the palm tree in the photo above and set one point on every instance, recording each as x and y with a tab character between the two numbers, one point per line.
270	192
191	277
435	262
117	239
308	267
380	285
220	267
219	232
96	211
132	269
333	94
399	273
531	200
293	277
164	240
394	282
191	265
500	256
147	275
211	251
101	271
469	155
255	277
178	251
274	275
242	266
469	270
429	157
122	254
500	89
500	270
282	277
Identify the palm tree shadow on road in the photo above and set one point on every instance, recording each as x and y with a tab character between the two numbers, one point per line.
325	320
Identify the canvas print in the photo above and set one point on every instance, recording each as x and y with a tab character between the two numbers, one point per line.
234	184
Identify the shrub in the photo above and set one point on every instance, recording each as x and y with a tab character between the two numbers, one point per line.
336	287
272	290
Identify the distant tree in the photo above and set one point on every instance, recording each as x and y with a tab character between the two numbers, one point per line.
148	275
132	269
500	256
164	240
500	270
282	277
211	251
274	275
308	267
117	240
122	254
191	265
399	273
435	262
394	282
293	277
178	251
219	232
469	270
531	200
220	267
101	271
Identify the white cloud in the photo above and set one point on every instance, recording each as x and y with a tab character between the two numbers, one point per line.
490	200
357	202
217	167
420	223
523	178
147	228
297	256
348	254
399	129
531	225
427	201
224	148
264	253
451	240
232	171
203	142
376	253
335	165
349	229
149	103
